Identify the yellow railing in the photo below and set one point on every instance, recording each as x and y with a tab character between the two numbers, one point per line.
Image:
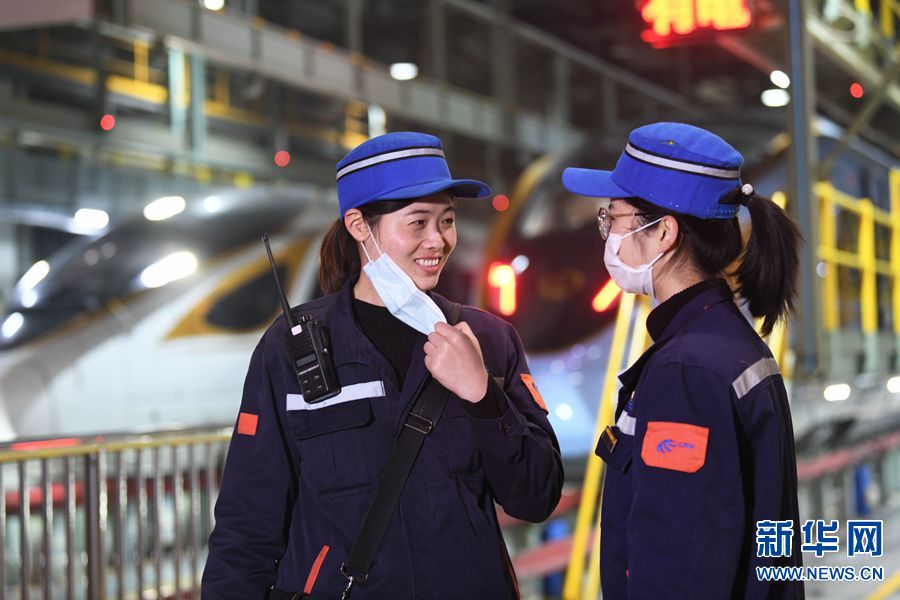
630	319
888	11
834	204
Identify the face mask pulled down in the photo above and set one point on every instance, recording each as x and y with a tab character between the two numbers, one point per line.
634	280
399	293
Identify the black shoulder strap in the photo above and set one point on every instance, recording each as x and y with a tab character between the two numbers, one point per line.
453	312
419	423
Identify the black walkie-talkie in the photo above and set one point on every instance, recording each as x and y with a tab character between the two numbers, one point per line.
309	348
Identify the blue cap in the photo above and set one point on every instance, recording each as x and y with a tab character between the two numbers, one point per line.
675	166
399	166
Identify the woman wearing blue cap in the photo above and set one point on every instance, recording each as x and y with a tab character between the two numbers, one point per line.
701	478
297	511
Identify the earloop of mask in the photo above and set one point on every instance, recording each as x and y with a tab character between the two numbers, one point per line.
374	241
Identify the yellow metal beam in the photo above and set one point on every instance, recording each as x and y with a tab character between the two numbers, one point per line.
894	182
591	486
869	280
827	251
887	10
141	60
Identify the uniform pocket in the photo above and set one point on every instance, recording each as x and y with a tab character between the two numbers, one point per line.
336	446
347	415
615	448
454	440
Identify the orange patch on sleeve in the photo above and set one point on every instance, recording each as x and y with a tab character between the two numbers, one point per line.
528	380
247	423
675	446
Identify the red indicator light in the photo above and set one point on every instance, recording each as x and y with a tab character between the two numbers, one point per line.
282	158
500	202
107	122
503	278
856	90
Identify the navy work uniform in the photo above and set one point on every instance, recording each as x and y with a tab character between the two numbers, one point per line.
702	449
299	477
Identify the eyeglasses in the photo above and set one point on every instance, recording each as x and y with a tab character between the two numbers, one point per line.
605	219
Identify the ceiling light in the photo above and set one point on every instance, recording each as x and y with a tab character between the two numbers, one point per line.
175	266
775	98
164	208
91	218
781	79
893	385
12	325
404	71
837	392
34	275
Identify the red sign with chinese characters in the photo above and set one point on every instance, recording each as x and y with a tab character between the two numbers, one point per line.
674	20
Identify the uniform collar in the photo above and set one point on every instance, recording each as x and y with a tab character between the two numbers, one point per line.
351	344
660	317
711	292
688	309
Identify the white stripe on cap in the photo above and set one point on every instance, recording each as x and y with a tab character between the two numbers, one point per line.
681	165
380	158
755	373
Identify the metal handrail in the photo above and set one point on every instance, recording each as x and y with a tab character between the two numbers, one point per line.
59	504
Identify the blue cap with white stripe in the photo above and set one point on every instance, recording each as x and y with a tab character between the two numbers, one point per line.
675	166
399	166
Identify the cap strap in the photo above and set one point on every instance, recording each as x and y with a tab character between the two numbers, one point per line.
388	156
679	165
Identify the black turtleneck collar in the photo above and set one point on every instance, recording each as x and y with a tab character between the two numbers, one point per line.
660	317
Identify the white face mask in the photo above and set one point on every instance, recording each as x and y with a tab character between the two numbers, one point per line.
634	280
399	293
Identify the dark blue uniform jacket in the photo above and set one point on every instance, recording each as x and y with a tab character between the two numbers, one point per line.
300	478
704	450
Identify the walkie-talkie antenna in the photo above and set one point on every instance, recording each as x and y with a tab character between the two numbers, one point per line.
284	303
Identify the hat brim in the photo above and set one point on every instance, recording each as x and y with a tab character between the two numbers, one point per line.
460	188
593	183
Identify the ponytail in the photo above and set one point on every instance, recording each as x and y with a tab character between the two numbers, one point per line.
338	258
339	253
767	275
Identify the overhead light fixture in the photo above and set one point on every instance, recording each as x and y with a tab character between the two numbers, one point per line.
780	78
893	385
404	71
12	325
91	218
837	392
174	266
214	5
29	298
34	275
212	204
775	98
164	208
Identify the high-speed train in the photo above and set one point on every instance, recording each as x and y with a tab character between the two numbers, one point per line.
151	325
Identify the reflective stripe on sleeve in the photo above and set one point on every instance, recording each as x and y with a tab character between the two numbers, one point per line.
754	374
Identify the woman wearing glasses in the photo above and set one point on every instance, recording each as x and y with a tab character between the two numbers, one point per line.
701	478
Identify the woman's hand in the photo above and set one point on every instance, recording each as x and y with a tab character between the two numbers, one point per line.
453	357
